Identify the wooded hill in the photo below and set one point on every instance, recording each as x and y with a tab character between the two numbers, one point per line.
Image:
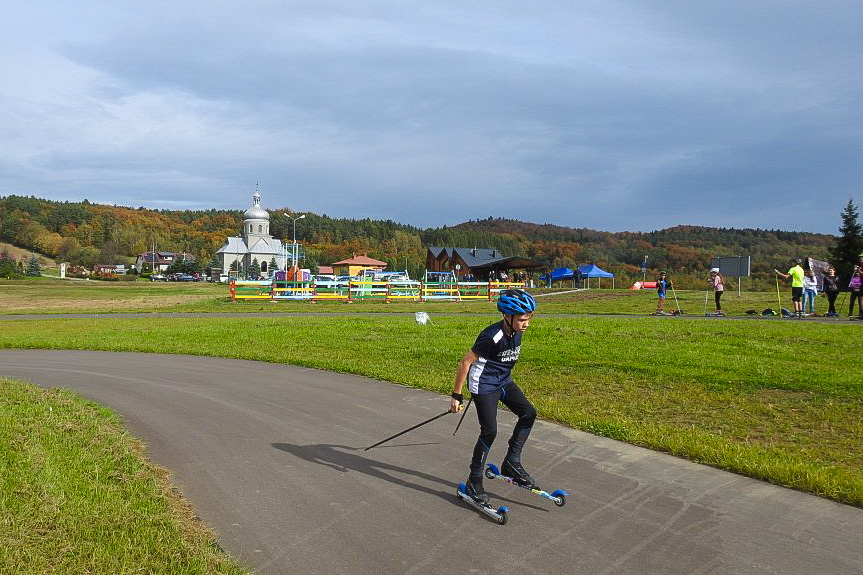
87	234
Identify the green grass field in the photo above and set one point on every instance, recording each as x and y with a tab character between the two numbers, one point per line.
779	400
78	496
46	296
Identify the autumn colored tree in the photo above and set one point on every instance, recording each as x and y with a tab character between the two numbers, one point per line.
86	234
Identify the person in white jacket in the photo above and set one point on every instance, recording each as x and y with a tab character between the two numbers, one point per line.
810	290
718	286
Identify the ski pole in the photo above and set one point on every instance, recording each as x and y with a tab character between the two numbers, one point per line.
429	420
675	300
779	297
706	292
460	419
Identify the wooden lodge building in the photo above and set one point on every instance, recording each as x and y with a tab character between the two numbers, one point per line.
476	264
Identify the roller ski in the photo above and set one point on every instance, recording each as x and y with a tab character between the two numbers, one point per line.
516	475
479	500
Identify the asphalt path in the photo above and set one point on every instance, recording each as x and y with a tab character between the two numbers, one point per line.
271	457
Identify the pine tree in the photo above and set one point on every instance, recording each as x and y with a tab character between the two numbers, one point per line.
849	245
254	269
33	268
214	263
7	265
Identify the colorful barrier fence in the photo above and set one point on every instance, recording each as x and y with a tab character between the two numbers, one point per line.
251	290
360	290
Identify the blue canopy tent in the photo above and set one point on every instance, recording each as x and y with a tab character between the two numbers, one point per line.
591	271
560	274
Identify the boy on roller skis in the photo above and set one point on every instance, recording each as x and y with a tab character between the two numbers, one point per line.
487	366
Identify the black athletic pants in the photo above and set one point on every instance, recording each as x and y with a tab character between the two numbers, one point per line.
831	299
717	296
486	411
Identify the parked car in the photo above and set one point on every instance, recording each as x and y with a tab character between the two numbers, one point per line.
185	278
158	278
395	277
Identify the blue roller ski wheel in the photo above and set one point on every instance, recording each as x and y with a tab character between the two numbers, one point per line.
492	471
560	494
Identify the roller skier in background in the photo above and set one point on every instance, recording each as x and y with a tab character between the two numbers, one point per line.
662	285
487	367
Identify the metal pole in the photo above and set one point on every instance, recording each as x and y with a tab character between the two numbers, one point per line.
675	301
778	296
400	433
295	252
462	415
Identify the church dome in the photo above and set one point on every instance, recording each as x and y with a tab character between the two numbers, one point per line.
256	212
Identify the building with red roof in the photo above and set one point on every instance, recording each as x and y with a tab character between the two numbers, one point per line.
354	266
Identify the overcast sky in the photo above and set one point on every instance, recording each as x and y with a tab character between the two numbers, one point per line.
612	115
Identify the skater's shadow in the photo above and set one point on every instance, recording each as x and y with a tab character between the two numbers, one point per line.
345	459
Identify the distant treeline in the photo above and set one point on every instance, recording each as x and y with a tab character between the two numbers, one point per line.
87	234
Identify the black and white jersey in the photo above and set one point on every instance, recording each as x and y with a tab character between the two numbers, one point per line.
497	355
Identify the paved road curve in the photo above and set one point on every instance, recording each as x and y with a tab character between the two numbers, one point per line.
271	457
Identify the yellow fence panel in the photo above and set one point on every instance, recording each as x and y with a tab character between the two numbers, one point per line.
369	290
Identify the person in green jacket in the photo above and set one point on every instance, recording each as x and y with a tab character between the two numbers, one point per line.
796	274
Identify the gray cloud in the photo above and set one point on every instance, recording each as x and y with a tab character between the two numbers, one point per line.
609	115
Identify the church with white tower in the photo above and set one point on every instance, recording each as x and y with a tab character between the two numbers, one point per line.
256	243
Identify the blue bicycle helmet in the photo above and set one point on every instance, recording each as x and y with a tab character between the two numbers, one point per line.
515	302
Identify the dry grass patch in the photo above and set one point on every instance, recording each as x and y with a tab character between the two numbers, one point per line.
76	296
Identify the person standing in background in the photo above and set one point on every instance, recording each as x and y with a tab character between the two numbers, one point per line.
831	288
796	274
858	274
810	290
854	287
718	289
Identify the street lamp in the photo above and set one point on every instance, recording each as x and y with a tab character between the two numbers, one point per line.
237	257
295	252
